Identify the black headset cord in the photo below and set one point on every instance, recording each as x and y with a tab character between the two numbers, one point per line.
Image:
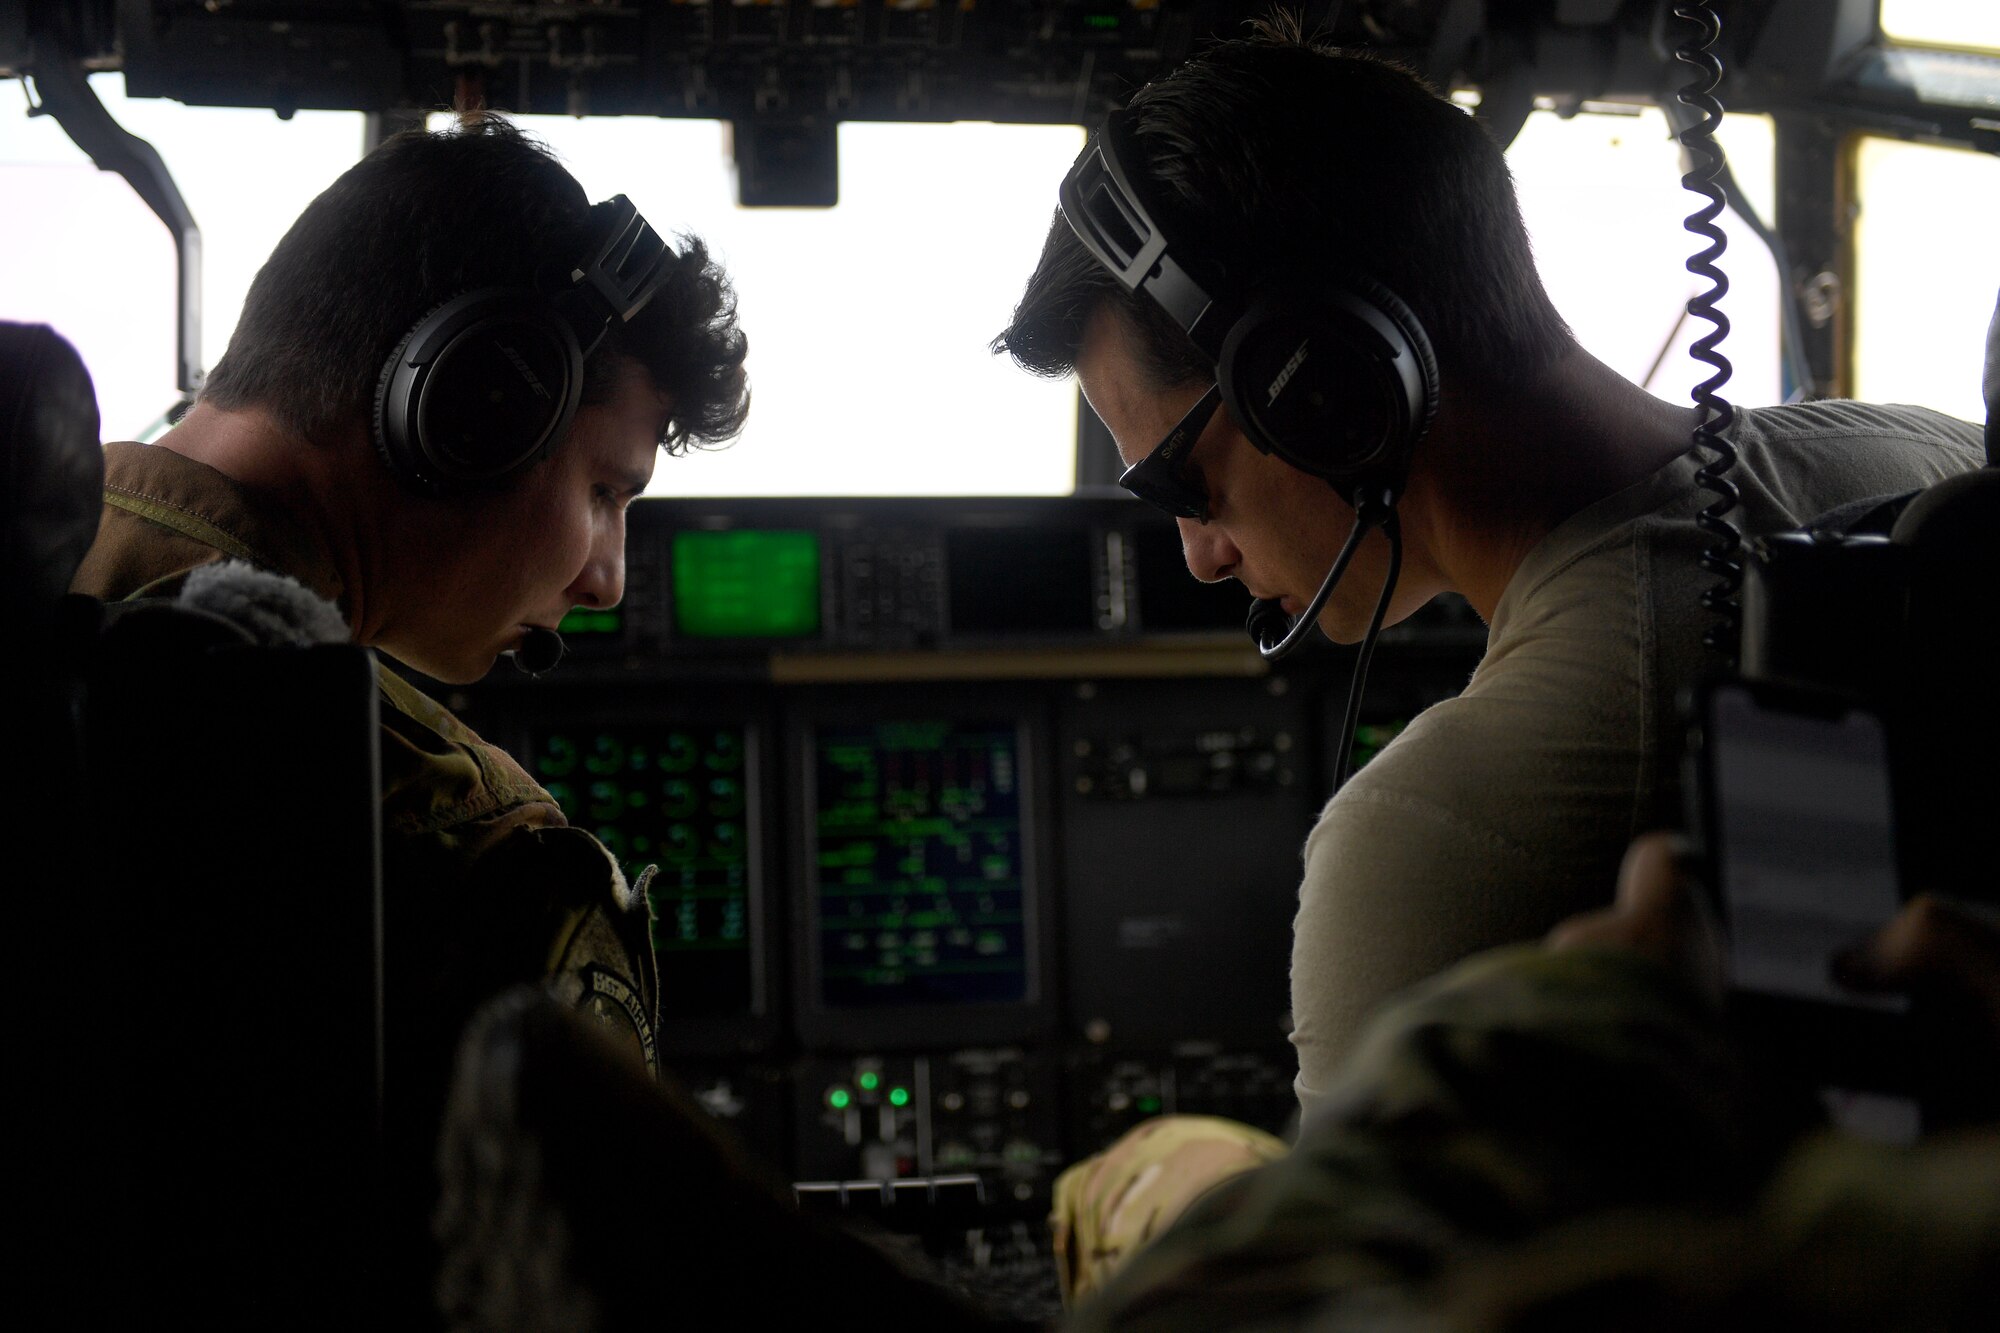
1715	416
1371	510
1392	527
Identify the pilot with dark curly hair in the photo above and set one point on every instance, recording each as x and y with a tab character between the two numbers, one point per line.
312	455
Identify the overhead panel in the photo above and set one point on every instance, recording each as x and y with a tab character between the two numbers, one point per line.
804	64
927	60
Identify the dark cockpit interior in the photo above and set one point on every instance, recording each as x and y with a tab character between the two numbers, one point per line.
969	825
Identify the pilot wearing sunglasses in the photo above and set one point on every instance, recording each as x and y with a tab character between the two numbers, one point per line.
1295	285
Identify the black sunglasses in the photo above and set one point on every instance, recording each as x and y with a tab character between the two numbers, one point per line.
1162	478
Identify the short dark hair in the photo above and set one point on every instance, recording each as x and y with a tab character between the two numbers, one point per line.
1277	160
426	217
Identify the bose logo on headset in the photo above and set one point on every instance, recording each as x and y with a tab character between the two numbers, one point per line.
520	363
483	387
1285	375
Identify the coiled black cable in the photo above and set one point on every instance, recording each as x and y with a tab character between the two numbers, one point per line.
1801	386
1723	556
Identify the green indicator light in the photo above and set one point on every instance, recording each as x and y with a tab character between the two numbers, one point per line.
899	1096
869	1080
1150	1105
838	1099
1102	22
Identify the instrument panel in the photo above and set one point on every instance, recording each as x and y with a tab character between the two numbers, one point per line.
974	824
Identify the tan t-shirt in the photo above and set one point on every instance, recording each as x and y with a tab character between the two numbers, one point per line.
1497	814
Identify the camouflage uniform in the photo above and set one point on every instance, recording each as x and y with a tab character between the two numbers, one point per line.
486	884
1108	1207
1571	1140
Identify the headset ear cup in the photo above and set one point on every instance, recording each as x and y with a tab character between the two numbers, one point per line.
1340	385
1424	402
480	390
392	430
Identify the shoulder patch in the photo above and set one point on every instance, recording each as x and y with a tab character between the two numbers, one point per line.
605	995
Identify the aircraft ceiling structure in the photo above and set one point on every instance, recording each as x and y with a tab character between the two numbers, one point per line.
801	64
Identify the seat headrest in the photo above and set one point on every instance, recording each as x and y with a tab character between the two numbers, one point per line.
51	469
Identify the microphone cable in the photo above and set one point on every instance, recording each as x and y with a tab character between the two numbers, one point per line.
1371	511
1392	527
1723	555
1264	610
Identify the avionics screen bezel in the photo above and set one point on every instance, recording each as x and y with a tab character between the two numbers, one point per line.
821	1025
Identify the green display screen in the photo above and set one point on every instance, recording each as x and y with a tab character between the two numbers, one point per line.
746	584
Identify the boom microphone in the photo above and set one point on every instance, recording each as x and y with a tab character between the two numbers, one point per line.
540	650
1267	624
1276	634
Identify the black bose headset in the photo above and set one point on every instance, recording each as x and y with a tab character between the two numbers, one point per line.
486	384
1337	380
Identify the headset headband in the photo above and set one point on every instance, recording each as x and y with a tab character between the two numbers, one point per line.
624	272
1106	211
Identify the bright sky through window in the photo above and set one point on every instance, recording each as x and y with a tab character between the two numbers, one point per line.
868	322
1974	24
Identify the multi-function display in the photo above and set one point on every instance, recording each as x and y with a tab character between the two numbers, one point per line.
746	584
919	864
680	798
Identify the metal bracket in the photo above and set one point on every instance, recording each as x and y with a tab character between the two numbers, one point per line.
63	91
